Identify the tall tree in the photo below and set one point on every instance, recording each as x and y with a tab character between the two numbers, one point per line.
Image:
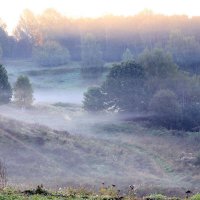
185	50
91	55
5	88
28	28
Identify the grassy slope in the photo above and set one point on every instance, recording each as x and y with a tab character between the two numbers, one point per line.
129	154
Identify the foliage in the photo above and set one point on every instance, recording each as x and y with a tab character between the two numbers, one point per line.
28	28
128	86
23	92
191	117
187	90
166	108
195	197
109	191
91	56
157	63
124	87
127	55
155	85
185	49
5	88
51	53
93	99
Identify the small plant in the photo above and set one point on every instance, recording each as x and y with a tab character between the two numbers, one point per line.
131	193
195	197
3	175
82	192
110	191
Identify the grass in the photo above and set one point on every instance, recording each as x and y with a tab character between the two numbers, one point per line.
60	77
196	197
82	193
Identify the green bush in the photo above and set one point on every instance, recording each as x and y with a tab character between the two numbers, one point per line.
195	197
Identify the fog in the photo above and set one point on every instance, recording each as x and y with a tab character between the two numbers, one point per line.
88	150
66	96
139	120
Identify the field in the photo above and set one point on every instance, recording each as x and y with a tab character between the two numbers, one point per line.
57	144
64	83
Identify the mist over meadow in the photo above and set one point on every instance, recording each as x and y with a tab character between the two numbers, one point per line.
112	100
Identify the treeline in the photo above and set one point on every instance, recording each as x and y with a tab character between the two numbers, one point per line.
114	34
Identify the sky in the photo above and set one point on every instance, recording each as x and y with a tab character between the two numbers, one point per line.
10	10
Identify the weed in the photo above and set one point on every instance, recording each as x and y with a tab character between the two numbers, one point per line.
109	192
3	175
195	197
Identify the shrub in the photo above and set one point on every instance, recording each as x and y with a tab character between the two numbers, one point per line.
166	108
195	197
93	99
23	92
51	53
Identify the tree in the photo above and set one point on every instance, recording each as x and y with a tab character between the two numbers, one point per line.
158	63
123	90
124	87
51	53
166	109
91	55
23	92
185	50
94	99
28	28
5	88
127	55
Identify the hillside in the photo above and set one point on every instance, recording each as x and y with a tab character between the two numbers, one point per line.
117	152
